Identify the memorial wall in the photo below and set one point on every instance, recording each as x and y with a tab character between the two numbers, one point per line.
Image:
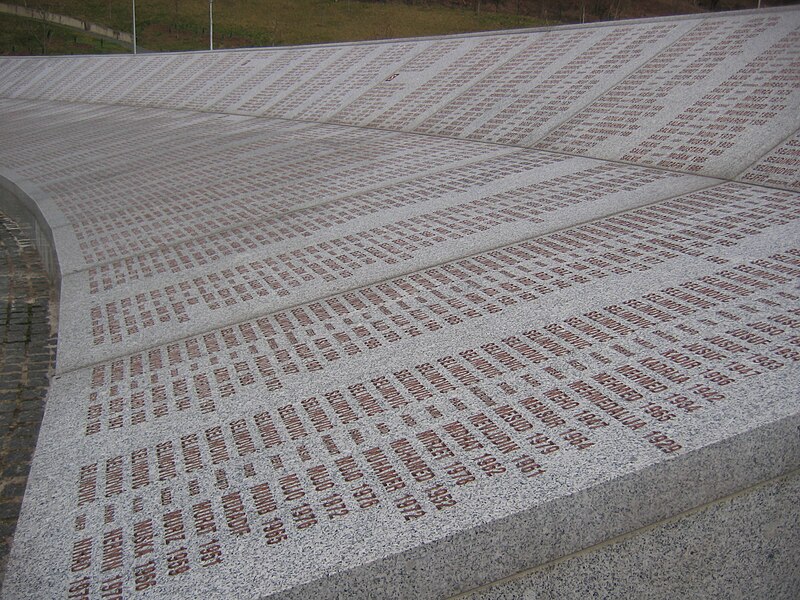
405	318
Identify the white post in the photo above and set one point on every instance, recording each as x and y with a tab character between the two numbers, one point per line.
210	24
134	26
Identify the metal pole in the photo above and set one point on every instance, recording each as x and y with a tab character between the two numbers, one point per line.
134	26
210	24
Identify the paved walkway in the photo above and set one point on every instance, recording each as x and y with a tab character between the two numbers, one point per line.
27	353
86	27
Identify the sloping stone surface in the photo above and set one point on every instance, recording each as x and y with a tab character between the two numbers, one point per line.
404	318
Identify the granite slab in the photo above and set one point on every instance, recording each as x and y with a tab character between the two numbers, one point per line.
402	319
681	556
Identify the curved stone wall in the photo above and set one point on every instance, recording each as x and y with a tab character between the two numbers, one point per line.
405	318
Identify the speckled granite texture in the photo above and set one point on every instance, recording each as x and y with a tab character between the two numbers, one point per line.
402	319
743	546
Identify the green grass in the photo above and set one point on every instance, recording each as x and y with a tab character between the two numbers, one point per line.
22	36
183	24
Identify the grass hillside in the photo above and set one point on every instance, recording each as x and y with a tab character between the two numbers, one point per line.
20	36
183	24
